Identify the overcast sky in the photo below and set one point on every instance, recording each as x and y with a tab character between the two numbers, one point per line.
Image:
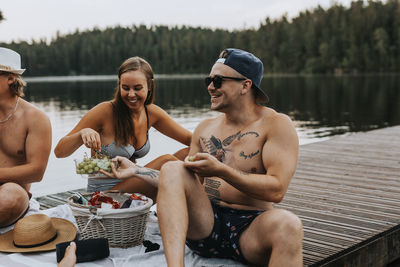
35	19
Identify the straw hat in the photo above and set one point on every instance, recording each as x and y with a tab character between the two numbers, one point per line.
10	61
37	232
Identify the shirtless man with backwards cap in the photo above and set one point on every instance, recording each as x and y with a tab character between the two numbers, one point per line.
220	200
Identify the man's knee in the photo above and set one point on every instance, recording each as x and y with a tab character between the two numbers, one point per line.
172	168
173	173
172	165
12	188
12	196
287	225
13	202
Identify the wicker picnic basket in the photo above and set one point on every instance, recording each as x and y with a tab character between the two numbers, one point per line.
122	227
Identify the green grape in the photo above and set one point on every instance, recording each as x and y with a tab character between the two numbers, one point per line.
93	165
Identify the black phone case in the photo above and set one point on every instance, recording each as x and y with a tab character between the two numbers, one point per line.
86	250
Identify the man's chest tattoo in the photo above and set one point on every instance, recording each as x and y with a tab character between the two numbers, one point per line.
247	133
215	147
219	148
249	156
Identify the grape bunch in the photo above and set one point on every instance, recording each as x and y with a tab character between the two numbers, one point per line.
93	165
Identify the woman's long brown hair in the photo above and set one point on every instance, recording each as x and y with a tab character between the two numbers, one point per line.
122	115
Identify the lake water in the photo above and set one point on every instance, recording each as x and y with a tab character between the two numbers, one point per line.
320	106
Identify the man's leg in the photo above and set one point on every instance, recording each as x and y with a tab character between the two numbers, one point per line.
14	202
275	237
183	209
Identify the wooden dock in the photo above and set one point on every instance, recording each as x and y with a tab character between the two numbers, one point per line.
346	191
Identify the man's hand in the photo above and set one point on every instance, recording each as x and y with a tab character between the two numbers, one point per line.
203	164
125	170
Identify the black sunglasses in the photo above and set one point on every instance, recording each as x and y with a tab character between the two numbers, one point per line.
217	80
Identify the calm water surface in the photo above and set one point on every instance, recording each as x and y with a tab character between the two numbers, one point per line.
320	107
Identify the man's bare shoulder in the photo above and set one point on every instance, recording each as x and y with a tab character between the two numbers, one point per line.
273	118
32	115
30	111
209	122
279	129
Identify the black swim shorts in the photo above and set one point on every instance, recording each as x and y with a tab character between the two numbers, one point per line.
223	242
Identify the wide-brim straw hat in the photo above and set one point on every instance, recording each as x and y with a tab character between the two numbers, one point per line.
10	61
37	232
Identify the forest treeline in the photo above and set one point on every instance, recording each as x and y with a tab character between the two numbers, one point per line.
361	38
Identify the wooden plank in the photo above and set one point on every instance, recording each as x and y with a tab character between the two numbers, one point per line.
53	200
346	190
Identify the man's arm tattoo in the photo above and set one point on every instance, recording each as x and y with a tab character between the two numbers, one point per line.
211	187
249	156
200	146
148	172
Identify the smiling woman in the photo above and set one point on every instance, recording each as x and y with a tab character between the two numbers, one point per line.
120	128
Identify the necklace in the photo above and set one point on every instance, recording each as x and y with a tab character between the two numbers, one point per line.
12	112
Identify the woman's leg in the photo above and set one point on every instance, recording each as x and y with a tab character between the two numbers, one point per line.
181	154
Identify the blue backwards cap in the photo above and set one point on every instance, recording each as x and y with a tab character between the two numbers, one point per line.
249	66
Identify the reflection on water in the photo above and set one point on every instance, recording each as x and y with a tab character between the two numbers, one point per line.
329	105
341	103
320	107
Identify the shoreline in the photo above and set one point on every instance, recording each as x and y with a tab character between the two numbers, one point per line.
113	77
178	76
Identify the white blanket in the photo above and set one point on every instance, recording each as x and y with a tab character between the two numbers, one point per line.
119	257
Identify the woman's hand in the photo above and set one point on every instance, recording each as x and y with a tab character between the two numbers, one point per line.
203	164
91	138
125	170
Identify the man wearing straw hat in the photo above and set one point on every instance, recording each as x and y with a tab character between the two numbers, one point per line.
220	200
25	141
